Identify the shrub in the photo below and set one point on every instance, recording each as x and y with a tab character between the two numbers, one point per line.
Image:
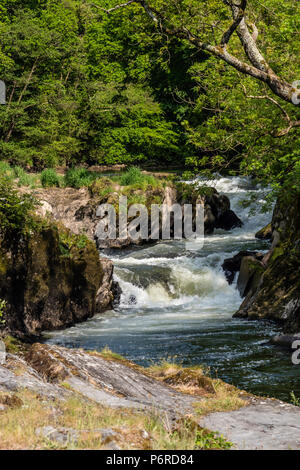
6	170
26	179
49	178
15	211
132	176
78	177
138	180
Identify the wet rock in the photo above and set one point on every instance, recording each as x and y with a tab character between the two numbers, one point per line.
285	341
166	196
250	274
11	380
192	379
53	280
277	294
107	435
107	382
228	220
233	265
109	292
265	233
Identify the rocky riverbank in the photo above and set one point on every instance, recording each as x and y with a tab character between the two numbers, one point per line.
51	280
77	208
71	399
271	284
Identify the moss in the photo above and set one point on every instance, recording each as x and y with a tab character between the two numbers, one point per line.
207	440
101	187
13	345
69	242
278	251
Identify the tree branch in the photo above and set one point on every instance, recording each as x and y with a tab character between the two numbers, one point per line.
110	10
258	67
291	123
240	13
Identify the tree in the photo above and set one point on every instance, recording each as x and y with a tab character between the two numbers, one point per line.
201	22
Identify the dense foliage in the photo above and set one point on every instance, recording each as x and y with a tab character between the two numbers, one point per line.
16	211
87	87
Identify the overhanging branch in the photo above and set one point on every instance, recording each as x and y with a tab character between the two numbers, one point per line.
291	123
258	67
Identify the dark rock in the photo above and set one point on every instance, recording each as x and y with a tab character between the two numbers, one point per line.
275	293
108	293
233	265
228	220
265	233
113	446
250	274
119	384
285	341
77	209
51	281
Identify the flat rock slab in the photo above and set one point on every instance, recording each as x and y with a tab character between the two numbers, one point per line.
107	382
10	381
264	425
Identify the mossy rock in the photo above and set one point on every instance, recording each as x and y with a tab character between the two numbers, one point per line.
191	379
265	233
51	281
101	187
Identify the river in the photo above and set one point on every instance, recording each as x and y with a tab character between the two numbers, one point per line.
177	305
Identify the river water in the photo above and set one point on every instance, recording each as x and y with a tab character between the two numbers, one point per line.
177	305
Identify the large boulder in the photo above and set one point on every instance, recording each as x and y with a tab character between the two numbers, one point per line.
52	280
233	265
275	294
228	220
77	208
250	275
265	233
217	212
